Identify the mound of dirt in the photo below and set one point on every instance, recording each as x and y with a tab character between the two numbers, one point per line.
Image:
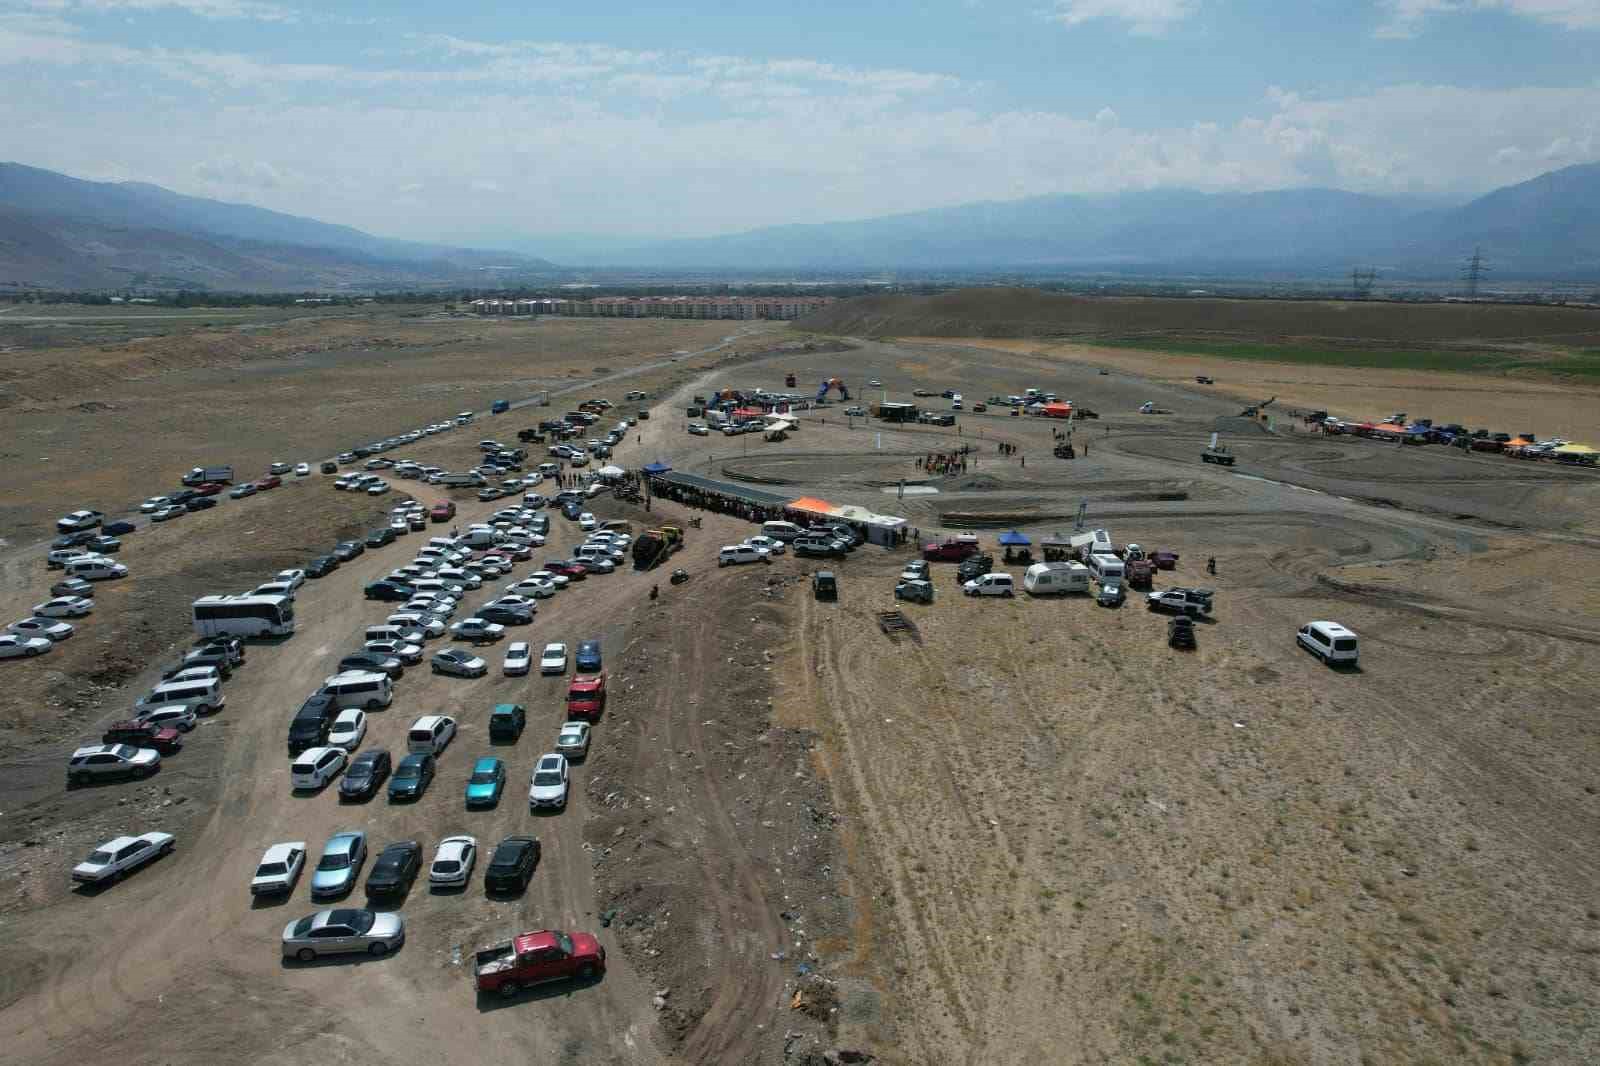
1238	425
1031	313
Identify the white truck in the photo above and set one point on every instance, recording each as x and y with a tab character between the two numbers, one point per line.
470	479
1055	579
1095	541
200	475
1192	602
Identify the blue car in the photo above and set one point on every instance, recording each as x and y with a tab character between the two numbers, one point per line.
340	866
411	777
488	780
587	661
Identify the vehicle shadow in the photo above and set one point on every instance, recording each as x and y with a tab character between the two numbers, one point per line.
447	890
488	1001
270	902
353	958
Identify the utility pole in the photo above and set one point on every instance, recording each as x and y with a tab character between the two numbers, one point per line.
1361	283
1473	273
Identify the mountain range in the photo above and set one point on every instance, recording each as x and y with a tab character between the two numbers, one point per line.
66	233
1547	226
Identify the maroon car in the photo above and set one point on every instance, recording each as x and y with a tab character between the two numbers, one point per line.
1165	560
950	551
271	481
165	739
210	488
571	569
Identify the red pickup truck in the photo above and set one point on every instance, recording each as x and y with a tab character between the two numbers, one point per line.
535	958
950	551
586	696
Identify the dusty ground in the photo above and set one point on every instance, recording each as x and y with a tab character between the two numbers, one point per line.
1035	835
1499	403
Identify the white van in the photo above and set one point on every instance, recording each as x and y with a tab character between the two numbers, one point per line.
1106	568
481	537
95	568
1055	579
992	584
202	696
360	688
1330	642
784	531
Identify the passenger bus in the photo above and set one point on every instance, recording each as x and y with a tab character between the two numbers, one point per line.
244	616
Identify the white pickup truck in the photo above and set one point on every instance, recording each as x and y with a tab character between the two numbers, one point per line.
1192	602
111	860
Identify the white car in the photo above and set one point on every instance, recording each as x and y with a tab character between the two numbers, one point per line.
302	469
48	628
279	869
453	862
773	545
518	655
293	578
573	740
174	714
477	629
15	647
548	787
115	858
443	607
560	581
733	554
532	586
408	654
208	674
153	504
426	624
553	660
698	430
430	734
279	468
875	384
587	522
315	767
64	607
349	729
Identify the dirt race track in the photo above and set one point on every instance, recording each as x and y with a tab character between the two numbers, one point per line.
1031	833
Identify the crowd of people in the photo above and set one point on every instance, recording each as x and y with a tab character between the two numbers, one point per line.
944	462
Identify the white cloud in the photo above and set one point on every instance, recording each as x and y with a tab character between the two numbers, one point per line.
1148	17
1407	18
256	10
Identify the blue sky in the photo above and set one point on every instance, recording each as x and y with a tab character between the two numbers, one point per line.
487	121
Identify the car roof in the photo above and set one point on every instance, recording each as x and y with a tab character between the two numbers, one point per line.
551	761
400	846
350	712
574	727
346	838
279	852
1334	629
555	647
370	755
95	749
517	843
452	847
427	721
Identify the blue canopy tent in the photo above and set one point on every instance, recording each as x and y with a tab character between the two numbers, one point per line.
656	469
1013	539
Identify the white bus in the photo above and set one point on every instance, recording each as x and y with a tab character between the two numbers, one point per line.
244	616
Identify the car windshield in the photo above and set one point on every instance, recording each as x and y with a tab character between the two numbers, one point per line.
485	777
547	777
334	861
100	857
408	771
272	869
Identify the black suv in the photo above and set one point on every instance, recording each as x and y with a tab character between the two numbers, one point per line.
310	725
395	869
366	772
974	566
511	866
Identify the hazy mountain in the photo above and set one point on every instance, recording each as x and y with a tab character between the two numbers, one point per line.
63	232
1545	226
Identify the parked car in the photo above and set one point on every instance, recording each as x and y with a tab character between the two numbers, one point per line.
349	729
517	659
101	761
488	780
279	869
431	733
458	663
64	607
271	481
573	740
384	535
412	777
395	869
772	545
587	659
117	858
315	767
78	520
176	715
166	739
347	550
13	646
370	661
548	786
322	566
506	722
303	469
586	696
453	862
734	554
342	931
511	865
405	653
73	586
1110	594
166	514
365	774
340	865
478	630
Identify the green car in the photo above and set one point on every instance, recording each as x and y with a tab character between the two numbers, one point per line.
487	782
506	722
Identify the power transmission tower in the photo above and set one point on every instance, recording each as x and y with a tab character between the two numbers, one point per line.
1361	283
1473	273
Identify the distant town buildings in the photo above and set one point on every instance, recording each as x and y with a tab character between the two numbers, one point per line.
744	307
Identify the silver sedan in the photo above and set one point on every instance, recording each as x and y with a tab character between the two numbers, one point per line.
343	930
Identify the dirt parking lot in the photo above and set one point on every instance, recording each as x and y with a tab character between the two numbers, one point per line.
796	834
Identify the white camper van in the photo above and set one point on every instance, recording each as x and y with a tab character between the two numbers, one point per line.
1106	567
1086	544
1055	579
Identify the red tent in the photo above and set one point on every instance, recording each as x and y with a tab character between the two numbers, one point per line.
1056	410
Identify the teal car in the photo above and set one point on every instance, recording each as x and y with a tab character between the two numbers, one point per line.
488	780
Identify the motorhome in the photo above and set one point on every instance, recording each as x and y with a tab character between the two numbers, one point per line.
1055	579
